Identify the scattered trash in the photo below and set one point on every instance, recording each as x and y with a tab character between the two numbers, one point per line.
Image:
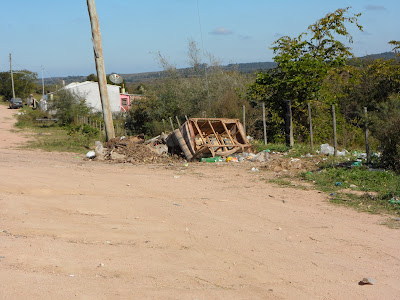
283	201
232	159
344	152
279	228
356	163
2	257
177	204
326	149
369	281
259	157
332	194
99	149
100	265
91	154
161	149
176	176
71	275
253	169
116	156
394	201
338	183
211	159
353	186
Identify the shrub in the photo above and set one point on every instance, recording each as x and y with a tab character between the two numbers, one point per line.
386	128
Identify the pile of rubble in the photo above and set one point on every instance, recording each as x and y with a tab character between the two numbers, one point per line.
134	149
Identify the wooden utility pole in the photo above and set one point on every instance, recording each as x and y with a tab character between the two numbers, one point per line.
264	123
101	73
366	136
334	131
244	118
310	121
12	78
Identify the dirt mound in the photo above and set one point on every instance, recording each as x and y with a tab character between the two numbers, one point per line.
284	165
135	149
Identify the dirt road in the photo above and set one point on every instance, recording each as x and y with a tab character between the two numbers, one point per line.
71	228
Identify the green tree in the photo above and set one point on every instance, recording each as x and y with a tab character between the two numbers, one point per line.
68	105
303	64
24	84
92	77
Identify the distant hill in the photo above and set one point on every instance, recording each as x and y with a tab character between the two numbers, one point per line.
245	68
384	55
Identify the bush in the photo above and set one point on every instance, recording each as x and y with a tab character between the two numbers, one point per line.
386	128
68	105
28	117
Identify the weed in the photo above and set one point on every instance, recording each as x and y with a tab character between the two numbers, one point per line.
260	146
54	137
375	187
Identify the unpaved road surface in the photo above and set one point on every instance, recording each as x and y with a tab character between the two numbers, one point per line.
76	229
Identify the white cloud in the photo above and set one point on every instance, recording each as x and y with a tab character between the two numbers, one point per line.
221	31
375	7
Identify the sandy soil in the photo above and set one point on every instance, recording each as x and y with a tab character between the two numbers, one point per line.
71	228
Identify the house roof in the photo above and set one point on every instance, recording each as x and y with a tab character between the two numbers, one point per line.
86	83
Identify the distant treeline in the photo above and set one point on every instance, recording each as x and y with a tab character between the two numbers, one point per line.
245	68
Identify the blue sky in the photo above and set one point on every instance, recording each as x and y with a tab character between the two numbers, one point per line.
56	34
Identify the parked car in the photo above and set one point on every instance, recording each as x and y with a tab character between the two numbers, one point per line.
16	103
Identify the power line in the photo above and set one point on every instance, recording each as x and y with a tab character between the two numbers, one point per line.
205	65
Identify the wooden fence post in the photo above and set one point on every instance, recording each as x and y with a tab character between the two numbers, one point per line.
172	124
264	123
288	124
311	129
367	150
177	120
334	131
244	118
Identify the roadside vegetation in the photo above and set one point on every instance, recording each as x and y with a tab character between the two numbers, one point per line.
61	130
316	68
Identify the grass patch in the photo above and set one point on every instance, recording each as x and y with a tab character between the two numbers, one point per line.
359	187
286	183
259	146
297	150
53	137
392	223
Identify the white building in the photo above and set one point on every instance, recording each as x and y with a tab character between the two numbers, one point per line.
89	90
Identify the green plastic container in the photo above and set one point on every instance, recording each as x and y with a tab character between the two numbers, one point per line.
394	201
211	159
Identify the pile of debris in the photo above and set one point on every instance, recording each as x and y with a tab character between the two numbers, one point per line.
133	149
208	139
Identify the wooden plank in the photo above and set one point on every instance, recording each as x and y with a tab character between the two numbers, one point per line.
216	135
204	141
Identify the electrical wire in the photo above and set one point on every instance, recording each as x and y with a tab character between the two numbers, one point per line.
205	65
